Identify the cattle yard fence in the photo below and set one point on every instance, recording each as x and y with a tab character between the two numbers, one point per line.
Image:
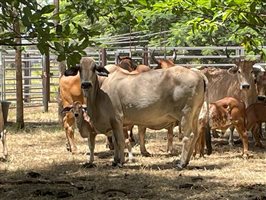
41	73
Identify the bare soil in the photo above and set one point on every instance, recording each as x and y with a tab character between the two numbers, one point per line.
40	167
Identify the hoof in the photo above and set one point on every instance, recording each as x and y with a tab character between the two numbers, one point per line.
231	143
88	165
146	154
259	144
115	164
180	166
245	156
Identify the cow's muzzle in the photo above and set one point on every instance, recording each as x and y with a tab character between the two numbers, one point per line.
86	85
245	86
261	98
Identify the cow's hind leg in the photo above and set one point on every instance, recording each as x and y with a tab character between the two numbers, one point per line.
189	124
244	137
256	134
231	136
3	140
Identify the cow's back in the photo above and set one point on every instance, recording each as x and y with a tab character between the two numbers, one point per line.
155	97
70	90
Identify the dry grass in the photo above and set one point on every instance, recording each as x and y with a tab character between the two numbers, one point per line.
40	148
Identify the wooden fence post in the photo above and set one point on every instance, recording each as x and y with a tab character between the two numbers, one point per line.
103	57
46	81
145	59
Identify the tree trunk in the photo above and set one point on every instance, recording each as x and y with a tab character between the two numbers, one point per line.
19	84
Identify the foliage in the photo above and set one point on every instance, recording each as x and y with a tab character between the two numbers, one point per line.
189	22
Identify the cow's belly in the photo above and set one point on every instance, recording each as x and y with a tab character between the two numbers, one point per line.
152	120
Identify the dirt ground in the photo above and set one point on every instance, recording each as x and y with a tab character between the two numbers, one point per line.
40	167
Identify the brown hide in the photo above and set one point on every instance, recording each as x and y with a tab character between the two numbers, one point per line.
70	92
222	114
256	114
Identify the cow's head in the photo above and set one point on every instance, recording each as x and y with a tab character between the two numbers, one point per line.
126	63
163	63
244	72
88	74
260	80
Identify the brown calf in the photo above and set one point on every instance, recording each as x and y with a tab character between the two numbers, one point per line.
256	114
222	114
70	92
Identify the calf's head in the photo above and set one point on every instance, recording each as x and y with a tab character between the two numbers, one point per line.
260	80
126	63
76	108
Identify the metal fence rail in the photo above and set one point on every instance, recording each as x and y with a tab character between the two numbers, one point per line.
34	85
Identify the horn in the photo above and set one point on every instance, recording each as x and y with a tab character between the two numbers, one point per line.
174	55
153	58
259	67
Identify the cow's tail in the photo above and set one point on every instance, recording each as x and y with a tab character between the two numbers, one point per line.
208	129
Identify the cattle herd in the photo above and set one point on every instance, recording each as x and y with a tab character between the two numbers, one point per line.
112	99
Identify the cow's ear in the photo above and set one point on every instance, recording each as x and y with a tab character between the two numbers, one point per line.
101	71
67	109
119	58
84	108
233	70
73	71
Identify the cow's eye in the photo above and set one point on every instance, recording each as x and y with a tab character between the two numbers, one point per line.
252	72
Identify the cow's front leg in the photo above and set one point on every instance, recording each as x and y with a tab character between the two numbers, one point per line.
91	144
190	126
69	122
119	143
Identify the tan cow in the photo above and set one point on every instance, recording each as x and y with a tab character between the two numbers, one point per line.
166	96
86	130
3	134
223	114
256	114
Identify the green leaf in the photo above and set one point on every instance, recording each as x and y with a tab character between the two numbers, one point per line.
47	9
226	15
143	2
